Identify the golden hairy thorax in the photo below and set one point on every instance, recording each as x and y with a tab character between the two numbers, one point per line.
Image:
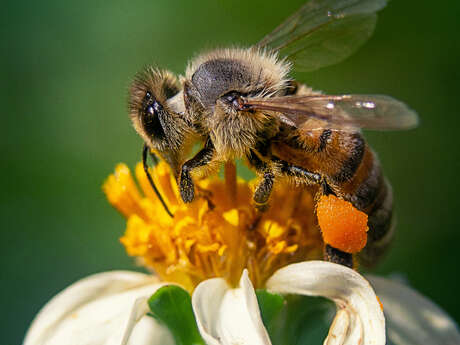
248	72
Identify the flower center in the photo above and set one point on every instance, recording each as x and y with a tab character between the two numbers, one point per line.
220	233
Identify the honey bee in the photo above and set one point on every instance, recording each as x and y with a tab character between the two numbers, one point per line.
241	103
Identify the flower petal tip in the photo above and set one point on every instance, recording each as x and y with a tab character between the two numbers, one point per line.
347	288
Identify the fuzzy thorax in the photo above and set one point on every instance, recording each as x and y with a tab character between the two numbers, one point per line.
263	71
212	77
235	133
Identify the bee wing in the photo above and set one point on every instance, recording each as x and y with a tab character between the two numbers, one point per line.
376	112
323	32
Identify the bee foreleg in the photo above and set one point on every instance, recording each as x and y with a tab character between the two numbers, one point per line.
186	185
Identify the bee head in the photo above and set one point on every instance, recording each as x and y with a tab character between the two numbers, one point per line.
159	126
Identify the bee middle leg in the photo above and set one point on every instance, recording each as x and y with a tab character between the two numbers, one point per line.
186	185
264	188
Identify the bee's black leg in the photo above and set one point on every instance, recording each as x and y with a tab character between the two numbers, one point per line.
303	174
186	185
295	171
331	254
264	188
336	256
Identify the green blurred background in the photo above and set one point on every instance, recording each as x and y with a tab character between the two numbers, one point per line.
65	69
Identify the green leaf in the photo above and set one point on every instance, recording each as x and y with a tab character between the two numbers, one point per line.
294	319
309	318
270	306
172	306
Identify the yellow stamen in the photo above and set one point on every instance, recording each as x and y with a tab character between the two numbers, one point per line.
219	234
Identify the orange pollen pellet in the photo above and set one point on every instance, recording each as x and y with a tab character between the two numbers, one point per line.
343	226
380	302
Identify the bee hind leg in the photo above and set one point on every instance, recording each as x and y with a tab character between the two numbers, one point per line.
298	172
331	254
186	185
336	256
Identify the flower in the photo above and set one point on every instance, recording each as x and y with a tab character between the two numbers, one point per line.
96	309
219	234
219	248
233	314
109	308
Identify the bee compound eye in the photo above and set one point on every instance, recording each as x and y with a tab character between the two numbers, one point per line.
152	118
157	106
153	109
150	110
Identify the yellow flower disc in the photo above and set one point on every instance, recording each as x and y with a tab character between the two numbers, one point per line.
219	234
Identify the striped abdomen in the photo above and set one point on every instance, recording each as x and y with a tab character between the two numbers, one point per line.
352	172
369	191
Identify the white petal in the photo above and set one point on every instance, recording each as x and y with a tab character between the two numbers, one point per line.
206	301
338	329
138	311
347	288
411	317
228	316
95	310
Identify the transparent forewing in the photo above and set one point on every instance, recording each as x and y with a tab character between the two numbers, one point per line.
324	32
376	112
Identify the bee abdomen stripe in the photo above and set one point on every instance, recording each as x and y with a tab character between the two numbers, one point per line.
381	213
371	254
371	188
381	228
350	166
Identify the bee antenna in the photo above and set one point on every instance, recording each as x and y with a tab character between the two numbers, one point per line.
146	169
